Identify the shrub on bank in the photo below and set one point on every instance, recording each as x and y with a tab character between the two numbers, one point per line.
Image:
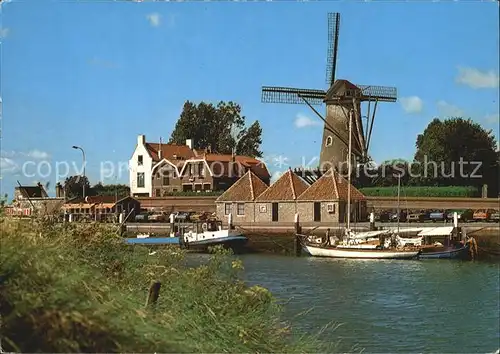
413	191
79	288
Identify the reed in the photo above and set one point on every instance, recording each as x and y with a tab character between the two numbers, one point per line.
79	288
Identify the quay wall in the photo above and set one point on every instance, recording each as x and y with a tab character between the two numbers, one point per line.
207	203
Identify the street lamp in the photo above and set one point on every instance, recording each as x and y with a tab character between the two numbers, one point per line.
83	153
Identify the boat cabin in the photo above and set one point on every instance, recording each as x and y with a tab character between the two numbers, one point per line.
196	227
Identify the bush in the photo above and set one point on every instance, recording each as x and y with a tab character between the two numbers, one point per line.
444	192
80	288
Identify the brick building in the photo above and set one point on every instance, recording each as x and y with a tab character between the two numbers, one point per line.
279	201
315	196
326	200
239	199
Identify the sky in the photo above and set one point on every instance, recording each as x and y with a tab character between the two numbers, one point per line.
97	73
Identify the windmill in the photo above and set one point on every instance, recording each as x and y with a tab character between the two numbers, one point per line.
342	98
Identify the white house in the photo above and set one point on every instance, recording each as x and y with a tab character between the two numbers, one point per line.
146	159
157	169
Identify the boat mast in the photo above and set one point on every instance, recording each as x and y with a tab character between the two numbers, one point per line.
349	168
399	193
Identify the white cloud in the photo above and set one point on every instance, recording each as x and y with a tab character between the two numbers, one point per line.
33	154
154	19
8	165
302	121
475	78
38	155
448	110
4	32
412	104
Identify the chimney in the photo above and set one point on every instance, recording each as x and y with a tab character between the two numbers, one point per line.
159	151
189	142
59	190
141	140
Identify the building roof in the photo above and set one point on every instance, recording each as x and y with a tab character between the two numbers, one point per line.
223	162
247	188
288	187
341	88
168	151
32	191
308	175
331	186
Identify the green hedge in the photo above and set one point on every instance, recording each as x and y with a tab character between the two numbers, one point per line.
449	191
193	194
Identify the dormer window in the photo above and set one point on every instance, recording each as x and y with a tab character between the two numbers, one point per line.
139	160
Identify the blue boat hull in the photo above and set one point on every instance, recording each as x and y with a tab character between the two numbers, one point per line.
153	241
234	242
452	253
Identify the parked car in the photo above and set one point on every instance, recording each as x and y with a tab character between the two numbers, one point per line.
393	217
463	215
495	216
481	215
437	215
416	217
157	217
142	217
383	216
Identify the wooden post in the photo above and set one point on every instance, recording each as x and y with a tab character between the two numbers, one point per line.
372	221
154	293
298	232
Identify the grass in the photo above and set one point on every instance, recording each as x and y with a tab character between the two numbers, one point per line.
413	191
69	288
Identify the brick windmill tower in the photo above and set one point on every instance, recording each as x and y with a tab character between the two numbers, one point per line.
342	99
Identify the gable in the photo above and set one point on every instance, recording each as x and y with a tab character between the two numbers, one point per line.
247	188
331	186
287	187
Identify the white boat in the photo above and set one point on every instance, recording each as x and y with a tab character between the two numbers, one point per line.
356	245
360	253
203	234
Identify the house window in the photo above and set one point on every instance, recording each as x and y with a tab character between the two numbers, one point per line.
201	169
227	208
190	169
206	187
329	141
140	180
241	209
139	160
330	208
166	180
157	193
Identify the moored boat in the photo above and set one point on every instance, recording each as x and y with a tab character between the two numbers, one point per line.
359	252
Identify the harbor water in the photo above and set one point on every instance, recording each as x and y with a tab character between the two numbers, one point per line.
386	306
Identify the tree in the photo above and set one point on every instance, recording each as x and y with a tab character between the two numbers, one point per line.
120	190
212	126
457	151
250	140
73	186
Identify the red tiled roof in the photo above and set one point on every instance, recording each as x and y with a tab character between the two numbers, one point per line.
247	188
183	152
224	162
288	187
331	186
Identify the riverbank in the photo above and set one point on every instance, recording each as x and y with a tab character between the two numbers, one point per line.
79	288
